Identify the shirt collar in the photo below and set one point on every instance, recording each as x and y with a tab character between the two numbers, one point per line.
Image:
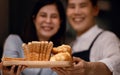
91	33
84	41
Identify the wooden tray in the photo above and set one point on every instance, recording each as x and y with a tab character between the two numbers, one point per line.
39	64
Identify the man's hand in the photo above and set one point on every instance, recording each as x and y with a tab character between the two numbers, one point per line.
80	67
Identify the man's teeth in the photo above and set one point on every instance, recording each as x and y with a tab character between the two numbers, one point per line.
78	19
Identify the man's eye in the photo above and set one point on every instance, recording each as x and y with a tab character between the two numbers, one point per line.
83	5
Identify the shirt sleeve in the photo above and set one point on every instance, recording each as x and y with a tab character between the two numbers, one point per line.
111	52
13	46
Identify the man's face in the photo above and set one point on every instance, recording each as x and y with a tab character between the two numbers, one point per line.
81	14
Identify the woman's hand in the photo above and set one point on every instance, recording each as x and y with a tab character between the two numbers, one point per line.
0	66
14	70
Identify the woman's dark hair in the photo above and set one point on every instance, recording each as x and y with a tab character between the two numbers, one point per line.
94	2
29	32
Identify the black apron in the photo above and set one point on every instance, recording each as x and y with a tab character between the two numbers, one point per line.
85	55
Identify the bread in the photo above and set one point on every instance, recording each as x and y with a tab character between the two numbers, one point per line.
26	51
38	51
49	48
63	56
12	59
61	53
42	50
62	48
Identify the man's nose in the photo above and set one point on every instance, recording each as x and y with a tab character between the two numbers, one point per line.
77	10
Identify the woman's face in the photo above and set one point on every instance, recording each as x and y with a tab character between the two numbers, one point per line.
47	22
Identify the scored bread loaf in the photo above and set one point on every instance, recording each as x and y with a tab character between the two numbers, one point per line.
37	51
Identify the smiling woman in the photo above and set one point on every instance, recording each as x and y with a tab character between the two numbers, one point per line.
47	22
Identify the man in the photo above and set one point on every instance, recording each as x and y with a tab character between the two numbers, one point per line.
98	50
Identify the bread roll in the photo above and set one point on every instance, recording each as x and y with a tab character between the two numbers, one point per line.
62	48
63	56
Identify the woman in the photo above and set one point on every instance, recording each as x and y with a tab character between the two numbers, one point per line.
47	23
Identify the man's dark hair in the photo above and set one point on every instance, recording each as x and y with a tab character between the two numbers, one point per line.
94	2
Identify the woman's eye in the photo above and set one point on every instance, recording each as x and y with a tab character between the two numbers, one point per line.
71	6
54	16
42	15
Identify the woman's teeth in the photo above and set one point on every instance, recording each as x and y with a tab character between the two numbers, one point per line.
47	28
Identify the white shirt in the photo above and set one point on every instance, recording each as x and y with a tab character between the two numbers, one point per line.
105	49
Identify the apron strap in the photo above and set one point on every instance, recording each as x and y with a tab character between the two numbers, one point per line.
95	40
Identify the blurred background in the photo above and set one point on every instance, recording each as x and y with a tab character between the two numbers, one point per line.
14	12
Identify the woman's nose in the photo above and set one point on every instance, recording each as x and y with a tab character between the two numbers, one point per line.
48	20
